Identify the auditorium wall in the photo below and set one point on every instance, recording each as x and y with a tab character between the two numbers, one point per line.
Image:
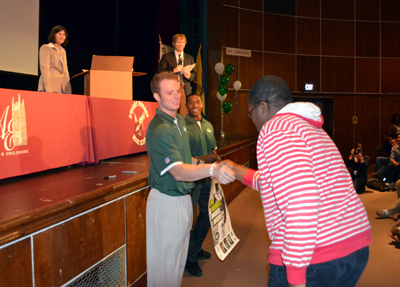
347	49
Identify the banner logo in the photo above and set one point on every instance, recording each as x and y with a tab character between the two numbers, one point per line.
13	131
139	113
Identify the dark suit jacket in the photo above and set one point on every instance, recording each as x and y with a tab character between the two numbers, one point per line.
168	64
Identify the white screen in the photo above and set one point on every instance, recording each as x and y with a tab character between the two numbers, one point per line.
19	36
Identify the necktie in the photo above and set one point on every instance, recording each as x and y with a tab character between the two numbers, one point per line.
180	75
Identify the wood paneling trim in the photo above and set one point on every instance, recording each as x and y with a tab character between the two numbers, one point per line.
65	251
15	265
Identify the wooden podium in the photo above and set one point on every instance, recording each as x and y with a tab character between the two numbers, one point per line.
109	77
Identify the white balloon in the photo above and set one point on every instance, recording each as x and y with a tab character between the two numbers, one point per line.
219	68
237	85
221	98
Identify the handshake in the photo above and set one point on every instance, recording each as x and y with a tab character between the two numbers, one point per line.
227	171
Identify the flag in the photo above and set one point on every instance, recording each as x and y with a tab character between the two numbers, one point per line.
199	79
163	48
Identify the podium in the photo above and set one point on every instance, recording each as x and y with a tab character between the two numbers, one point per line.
109	77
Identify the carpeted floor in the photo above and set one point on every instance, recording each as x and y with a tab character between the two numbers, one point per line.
247	264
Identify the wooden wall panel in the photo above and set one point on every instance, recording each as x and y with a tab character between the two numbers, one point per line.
63	252
367	130
367	75
279	33
246	125
308	36
281	65
337	38
231	119
213	104
251	69
251	30
15	265
390	10
136	234
256	5
390	39
230	27
346	48
367	39
343	125
391	106
231	2
367	10
390	76
216	16
337	74
233	60
310	8
339	9
308	71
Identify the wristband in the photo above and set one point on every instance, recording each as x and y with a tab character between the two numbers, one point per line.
199	161
212	169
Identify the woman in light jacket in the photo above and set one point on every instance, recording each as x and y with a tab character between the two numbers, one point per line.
53	63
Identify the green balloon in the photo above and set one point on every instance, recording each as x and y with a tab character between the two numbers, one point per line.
224	80
222	90
229	69
226	107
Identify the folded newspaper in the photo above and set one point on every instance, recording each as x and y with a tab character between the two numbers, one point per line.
224	237
187	69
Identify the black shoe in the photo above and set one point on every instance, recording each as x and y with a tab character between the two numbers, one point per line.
202	255
194	269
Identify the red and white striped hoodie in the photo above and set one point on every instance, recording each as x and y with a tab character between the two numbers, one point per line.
312	211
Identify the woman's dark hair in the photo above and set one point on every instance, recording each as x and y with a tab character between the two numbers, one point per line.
54	31
394	118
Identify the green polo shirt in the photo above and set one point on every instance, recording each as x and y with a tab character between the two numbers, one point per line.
202	142
167	145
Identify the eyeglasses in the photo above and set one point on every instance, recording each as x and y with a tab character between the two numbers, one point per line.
251	111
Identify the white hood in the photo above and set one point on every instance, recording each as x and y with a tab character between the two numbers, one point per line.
307	111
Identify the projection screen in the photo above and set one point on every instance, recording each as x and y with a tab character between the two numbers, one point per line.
19	36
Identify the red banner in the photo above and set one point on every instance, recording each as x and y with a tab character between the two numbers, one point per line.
40	131
120	126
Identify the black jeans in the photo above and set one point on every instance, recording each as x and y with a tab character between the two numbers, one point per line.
342	272
201	194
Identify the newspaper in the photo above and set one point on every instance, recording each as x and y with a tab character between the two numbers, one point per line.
224	237
187	69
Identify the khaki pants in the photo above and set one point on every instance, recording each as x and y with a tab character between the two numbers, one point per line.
168	223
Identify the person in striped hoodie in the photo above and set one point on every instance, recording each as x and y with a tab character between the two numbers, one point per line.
317	224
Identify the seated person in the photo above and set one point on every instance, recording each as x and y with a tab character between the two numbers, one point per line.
386	147
383	161
358	162
394	207
391	172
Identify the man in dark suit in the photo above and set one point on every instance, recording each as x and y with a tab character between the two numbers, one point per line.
174	61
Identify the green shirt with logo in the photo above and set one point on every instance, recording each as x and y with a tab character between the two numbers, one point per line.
167	144
202	141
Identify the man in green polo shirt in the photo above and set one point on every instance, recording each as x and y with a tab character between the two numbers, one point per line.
203	147
169	213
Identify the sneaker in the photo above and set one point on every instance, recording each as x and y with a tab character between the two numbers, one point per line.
202	255
194	269
382	213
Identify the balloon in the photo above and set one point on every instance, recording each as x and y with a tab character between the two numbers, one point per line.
237	85
229	69
224	80
226	107
219	68
222	90
221	98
